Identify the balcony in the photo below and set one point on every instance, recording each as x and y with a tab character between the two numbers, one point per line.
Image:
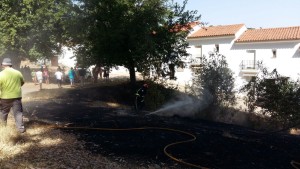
249	68
195	63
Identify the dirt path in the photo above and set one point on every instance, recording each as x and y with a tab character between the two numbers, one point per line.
30	87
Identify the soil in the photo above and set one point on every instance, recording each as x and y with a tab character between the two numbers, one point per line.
112	128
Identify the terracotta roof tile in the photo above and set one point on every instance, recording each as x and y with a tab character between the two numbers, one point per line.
270	34
224	30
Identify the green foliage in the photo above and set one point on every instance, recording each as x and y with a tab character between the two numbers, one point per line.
132	33
33	28
276	95
214	81
158	94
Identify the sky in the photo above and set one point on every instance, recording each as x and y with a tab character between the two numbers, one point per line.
252	13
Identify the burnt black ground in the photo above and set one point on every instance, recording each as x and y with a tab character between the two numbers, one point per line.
217	145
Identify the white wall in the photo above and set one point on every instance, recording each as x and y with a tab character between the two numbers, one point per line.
225	45
287	60
65	57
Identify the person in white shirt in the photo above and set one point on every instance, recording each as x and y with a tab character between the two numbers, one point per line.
59	77
39	77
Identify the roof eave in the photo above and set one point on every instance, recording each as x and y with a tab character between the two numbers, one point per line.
268	41
207	37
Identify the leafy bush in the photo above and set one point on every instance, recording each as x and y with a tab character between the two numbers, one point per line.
214	81
276	96
158	94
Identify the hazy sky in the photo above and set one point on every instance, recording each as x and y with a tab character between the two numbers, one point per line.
252	13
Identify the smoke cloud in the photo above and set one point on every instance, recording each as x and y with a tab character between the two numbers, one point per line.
184	106
188	106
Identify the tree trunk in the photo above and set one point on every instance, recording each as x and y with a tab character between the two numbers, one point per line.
172	71
132	73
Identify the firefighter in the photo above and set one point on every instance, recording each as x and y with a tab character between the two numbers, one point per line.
140	97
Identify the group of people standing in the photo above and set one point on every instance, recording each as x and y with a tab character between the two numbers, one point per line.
79	74
43	76
98	71
73	75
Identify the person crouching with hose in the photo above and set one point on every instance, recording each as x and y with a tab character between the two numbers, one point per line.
140	97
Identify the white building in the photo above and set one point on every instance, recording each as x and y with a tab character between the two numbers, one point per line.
276	47
67	57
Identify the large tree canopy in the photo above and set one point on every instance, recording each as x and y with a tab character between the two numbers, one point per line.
132	33
33	29
136	34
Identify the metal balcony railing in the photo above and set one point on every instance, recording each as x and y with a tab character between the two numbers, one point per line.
248	64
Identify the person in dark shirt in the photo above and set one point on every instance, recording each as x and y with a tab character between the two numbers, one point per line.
140	97
82	73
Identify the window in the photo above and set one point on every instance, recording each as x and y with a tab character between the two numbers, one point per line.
199	51
217	48
249	60
274	52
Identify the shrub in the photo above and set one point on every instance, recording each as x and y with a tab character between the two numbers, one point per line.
158	94
277	97
214	81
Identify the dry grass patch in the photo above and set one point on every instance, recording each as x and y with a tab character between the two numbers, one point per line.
295	131
45	147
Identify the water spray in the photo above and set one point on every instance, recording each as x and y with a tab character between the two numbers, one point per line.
184	106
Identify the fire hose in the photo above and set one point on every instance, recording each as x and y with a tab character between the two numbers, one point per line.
193	138
295	164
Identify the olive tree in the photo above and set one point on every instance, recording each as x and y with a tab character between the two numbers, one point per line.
214	81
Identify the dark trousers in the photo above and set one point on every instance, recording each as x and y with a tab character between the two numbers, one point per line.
139	103
16	105
59	82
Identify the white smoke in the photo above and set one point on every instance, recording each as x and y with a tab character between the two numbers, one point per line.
183	106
